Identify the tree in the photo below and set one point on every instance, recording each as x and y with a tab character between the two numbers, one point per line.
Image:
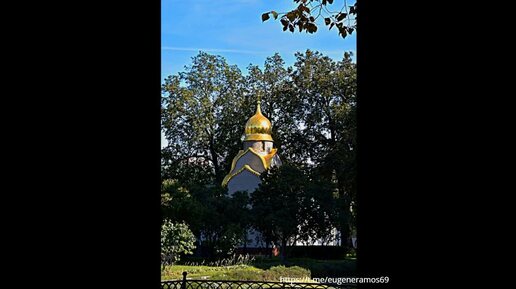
328	91
179	205
312	107
322	211
279	103
217	221
224	220
304	17
200	119
176	239
286	209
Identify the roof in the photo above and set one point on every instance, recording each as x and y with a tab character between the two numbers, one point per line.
265	159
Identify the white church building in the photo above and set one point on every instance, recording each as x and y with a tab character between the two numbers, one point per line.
258	155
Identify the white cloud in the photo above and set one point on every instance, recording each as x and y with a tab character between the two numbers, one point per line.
212	50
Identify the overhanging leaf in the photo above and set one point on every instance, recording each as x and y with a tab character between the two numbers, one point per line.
341	16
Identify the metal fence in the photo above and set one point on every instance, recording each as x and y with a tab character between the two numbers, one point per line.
232	284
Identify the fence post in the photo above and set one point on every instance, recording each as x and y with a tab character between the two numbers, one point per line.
183	285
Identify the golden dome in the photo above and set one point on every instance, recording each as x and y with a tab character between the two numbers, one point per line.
258	127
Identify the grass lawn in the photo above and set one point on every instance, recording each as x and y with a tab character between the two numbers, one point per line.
206	272
265	270
236	272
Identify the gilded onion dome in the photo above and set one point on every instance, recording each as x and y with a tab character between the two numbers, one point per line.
258	127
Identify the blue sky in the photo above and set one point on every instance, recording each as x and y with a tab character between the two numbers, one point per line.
234	30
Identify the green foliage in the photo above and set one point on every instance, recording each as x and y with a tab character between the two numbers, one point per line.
266	270
176	239
277	205
200	120
279	103
306	12
321	210
224	220
328	89
274	273
291	206
229	261
318	268
238	272
179	205
312	107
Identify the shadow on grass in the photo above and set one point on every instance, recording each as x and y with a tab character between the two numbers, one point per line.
318	268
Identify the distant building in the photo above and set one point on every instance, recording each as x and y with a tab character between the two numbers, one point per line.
258	155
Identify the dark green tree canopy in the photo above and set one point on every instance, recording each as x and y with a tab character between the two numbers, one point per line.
277	205
200	118
292	204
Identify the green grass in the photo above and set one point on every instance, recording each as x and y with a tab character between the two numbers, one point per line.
265	270
237	272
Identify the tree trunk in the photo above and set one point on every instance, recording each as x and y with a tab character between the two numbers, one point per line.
333	136
245	243
267	242
283	250
345	233
215	161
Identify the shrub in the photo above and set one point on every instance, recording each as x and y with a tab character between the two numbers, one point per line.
176	239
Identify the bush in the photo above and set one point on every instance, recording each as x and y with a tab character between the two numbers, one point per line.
176	239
